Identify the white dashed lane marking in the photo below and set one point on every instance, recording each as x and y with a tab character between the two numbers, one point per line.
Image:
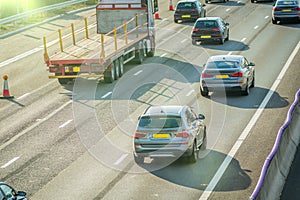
10	162
137	73
66	123
106	95
121	159
256	27
23	96
242	40
163	55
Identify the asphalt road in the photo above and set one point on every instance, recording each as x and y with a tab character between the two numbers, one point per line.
75	141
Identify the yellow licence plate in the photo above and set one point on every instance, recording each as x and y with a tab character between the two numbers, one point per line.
221	76
160	135
287	10
205	36
186	16
76	69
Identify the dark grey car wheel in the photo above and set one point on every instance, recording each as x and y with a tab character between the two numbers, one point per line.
139	159
247	90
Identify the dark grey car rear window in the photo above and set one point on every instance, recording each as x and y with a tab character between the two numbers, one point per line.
160	122
187	5
287	3
207	24
222	64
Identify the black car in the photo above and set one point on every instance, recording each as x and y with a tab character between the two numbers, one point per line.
189	10
169	131
8	193
210	29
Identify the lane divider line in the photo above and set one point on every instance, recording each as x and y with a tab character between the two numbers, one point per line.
229	53
121	159
266	17
10	162
242	40
66	123
23	96
137	73
106	95
163	55
256	27
211	186
190	92
182	41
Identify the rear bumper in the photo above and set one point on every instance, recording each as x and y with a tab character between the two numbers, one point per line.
212	38
180	151
222	87
286	17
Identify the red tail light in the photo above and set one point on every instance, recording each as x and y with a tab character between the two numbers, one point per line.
297	9
277	9
206	75
195	29
138	135
216	29
183	134
238	74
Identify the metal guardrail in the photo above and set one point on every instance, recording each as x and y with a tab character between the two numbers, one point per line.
39	10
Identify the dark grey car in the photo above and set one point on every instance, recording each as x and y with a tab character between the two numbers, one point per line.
286	10
189	10
169	131
210	29
227	73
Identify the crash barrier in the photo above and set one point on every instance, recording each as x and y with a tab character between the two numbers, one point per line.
39	10
277	165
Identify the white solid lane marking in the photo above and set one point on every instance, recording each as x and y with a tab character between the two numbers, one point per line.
121	159
106	95
182	41
256	27
242	40
23	96
188	94
163	55
266	17
211	186
137	73
229	53
66	123
10	162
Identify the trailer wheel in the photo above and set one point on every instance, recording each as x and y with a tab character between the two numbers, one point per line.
109	76
117	68
121	66
152	49
64	81
140	56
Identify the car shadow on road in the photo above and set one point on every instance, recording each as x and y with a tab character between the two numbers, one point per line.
253	100
230	45
198	175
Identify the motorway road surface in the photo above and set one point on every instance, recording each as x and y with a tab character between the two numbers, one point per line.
75	141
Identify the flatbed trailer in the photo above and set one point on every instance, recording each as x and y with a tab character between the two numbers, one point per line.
98	47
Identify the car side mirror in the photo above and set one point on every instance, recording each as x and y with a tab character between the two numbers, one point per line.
227	24
21	193
251	64
139	117
201	116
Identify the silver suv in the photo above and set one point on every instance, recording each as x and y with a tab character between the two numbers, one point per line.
169	131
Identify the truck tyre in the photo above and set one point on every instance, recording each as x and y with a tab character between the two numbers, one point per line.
140	56
64	81
117	68
109	76
121	66
152	49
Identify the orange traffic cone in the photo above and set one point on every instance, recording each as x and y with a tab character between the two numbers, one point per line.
6	94
171	5
156	15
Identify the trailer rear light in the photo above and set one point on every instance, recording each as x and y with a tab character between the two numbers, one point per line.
183	134
237	74
138	135
206	75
